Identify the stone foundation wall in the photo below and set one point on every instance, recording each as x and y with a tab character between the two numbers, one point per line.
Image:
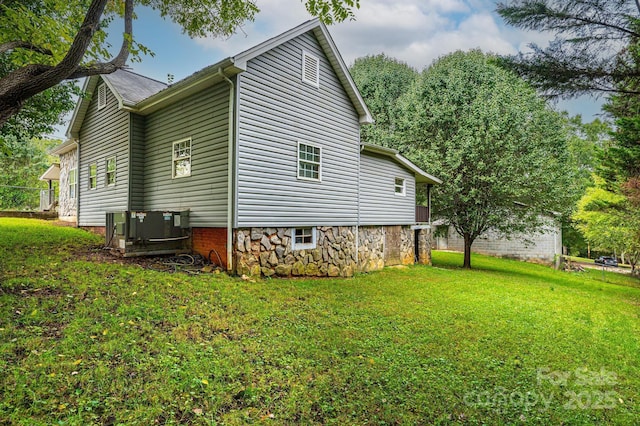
407	246
370	248
268	252
67	205
424	246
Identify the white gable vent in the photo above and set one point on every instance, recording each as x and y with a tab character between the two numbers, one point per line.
102	96
310	69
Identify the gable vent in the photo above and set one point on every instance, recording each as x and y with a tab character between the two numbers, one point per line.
310	69
102	96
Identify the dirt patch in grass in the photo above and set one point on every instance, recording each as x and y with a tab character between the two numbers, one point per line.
187	263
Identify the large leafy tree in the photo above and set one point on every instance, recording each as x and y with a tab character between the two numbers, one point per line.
50	41
590	50
610	221
21	169
586	144
382	81
499	149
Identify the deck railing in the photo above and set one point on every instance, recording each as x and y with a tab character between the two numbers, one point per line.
422	214
47	199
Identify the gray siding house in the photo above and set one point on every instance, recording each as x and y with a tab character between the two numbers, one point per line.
263	149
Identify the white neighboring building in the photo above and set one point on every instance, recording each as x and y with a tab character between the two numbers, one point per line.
542	247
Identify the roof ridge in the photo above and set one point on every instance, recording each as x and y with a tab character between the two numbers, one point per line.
142	75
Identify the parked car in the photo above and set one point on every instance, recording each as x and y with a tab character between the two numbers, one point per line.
607	261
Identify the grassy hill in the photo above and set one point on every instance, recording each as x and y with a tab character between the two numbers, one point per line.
86	342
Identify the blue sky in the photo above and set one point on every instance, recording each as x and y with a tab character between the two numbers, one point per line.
414	31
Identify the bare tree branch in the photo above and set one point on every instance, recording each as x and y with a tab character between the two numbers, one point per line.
21	84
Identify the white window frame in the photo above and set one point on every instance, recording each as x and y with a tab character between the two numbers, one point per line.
305	55
402	187
73	183
304	246
175	158
94	176
107	171
300	161
102	96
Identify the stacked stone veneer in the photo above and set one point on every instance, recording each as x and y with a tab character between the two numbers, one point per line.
370	248
268	251
67	205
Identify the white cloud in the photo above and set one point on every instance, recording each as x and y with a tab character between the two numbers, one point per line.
414	31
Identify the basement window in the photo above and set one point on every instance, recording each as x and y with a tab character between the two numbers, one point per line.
110	177
181	163
102	96
303	238
400	186
310	69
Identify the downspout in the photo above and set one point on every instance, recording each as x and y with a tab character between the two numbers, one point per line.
229	172
358	216
77	183
429	202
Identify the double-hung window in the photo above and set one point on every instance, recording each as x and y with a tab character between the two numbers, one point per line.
93	176
73	181
400	186
309	162
110	176
181	159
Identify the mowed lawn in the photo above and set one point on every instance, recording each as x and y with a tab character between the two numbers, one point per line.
83	343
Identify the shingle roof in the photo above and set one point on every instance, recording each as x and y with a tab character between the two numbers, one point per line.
133	87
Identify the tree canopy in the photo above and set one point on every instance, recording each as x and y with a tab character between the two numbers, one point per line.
590	51
499	149
45	42
382	81
610	221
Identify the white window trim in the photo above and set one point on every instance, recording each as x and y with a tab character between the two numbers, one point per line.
404	187
106	171
319	179
173	158
91	188
102	96
304	246
316	82
73	193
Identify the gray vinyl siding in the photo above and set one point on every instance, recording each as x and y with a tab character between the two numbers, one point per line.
202	117
104	133
276	111
379	204
137	153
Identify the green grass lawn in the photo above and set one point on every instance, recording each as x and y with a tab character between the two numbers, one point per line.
507	343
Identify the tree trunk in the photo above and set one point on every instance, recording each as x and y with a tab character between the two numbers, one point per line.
25	82
467	251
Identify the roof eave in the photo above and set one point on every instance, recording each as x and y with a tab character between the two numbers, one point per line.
66	146
421	175
52	173
330	50
333	54
81	108
193	84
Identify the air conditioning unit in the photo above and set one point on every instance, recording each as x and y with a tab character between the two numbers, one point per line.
143	233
